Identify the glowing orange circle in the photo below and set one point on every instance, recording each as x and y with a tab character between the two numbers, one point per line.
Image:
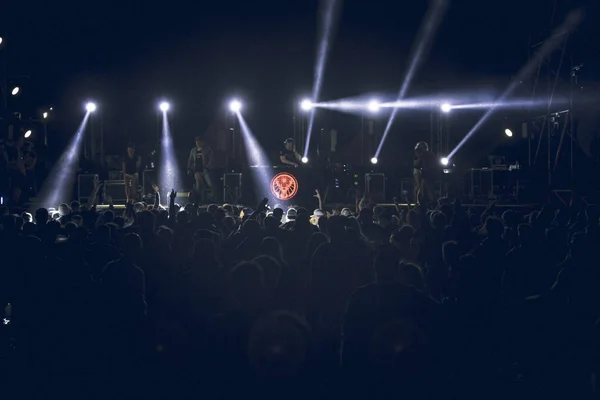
284	186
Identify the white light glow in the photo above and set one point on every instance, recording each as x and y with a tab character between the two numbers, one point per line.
306	105
90	107
15	91
1	39
164	106
27	134
374	160
445	161
304	160
45	115
508	132
374	106
446	107
235	106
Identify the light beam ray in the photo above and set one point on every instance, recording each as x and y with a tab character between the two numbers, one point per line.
330	10
572	20
431	22
58	185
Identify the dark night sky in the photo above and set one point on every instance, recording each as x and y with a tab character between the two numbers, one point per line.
130	54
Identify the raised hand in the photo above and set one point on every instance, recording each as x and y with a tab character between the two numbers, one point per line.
317	194
173	194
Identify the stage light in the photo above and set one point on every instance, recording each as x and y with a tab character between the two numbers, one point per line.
304	160
508	132
306	105
27	134
45	114
235	106
90	107
374	160
446	108
445	161
1	39
164	106
373	106
15	91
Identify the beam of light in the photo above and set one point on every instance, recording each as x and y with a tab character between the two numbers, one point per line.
90	107
572	20
444	161
15	90
330	10
262	171
169	173
235	106
304	160
58	186
164	106
519	104
374	160
432	20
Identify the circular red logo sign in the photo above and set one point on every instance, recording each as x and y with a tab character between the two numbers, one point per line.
284	186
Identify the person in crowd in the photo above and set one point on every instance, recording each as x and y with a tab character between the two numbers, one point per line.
131	169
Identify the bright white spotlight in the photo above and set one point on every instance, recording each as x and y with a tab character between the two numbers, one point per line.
27	134
90	107
304	160
1	39
235	106
15	91
374	160
508	132
306	105
374	106
445	161
45	114
446	107
164	106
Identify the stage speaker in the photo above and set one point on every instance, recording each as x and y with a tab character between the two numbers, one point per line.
85	185
232	188
149	178
375	186
116	190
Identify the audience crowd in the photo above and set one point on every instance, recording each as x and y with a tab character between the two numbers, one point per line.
223	302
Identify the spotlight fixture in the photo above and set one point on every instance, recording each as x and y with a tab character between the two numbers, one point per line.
445	161
235	106
90	107
45	114
27	134
374	160
374	106
304	160
508	132
446	108
1	39
164	106
15	91
306	105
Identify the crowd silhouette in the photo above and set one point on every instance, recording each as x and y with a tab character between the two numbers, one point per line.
443	302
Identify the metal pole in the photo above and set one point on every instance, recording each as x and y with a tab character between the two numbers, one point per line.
45	135
102	161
